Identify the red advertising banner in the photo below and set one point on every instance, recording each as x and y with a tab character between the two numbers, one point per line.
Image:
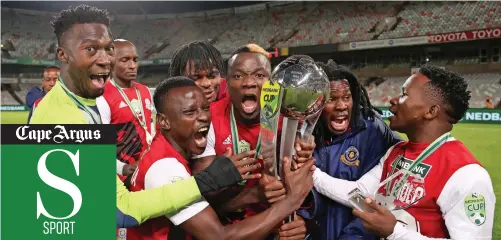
465	36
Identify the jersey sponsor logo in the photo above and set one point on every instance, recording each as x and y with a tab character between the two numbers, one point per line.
474	207
421	169
350	156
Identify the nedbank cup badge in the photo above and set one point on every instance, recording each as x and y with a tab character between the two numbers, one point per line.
243	146
67	173
474	207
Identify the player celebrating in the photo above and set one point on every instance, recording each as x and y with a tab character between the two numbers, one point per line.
34	96
184	118
201	62
86	53
434	186
236	125
127	102
347	124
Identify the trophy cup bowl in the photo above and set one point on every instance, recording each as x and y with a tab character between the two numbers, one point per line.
305	87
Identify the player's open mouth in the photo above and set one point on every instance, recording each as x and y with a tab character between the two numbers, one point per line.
201	136
340	123
98	80
249	103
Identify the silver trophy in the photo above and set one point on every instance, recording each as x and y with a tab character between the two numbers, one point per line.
298	90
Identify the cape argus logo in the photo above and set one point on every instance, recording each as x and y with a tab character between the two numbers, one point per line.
59	227
59	135
61	194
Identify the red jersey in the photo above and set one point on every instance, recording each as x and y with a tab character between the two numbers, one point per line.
161	165
222	90
114	109
425	215
219	139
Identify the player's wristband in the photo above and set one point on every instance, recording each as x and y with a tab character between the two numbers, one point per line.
219	174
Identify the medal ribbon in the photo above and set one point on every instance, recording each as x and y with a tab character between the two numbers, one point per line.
95	117
142	122
234	135
424	154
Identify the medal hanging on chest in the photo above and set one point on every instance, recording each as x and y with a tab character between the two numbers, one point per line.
142	118
240	146
404	185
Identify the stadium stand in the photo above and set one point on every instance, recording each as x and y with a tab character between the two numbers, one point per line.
281	24
481	86
275	24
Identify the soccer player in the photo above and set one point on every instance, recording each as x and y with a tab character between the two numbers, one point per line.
86	53
236	124
184	117
434	186
35	95
203	63
350	138
127	102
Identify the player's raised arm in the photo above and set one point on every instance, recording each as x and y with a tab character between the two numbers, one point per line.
338	189
133	208
206	226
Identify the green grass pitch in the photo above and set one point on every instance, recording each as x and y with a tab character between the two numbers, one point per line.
480	139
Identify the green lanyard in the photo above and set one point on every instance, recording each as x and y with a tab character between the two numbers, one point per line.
234	135
95	117
427	152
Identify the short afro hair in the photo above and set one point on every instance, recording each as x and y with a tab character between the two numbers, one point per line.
78	15
165	86
449	88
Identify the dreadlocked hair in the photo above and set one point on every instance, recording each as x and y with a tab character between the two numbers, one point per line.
450	89
203	55
361	102
163	88
78	15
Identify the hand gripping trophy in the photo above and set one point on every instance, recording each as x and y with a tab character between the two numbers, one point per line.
297	91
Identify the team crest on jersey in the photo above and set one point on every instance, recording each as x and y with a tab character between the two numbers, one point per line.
122	234
350	156
474	207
